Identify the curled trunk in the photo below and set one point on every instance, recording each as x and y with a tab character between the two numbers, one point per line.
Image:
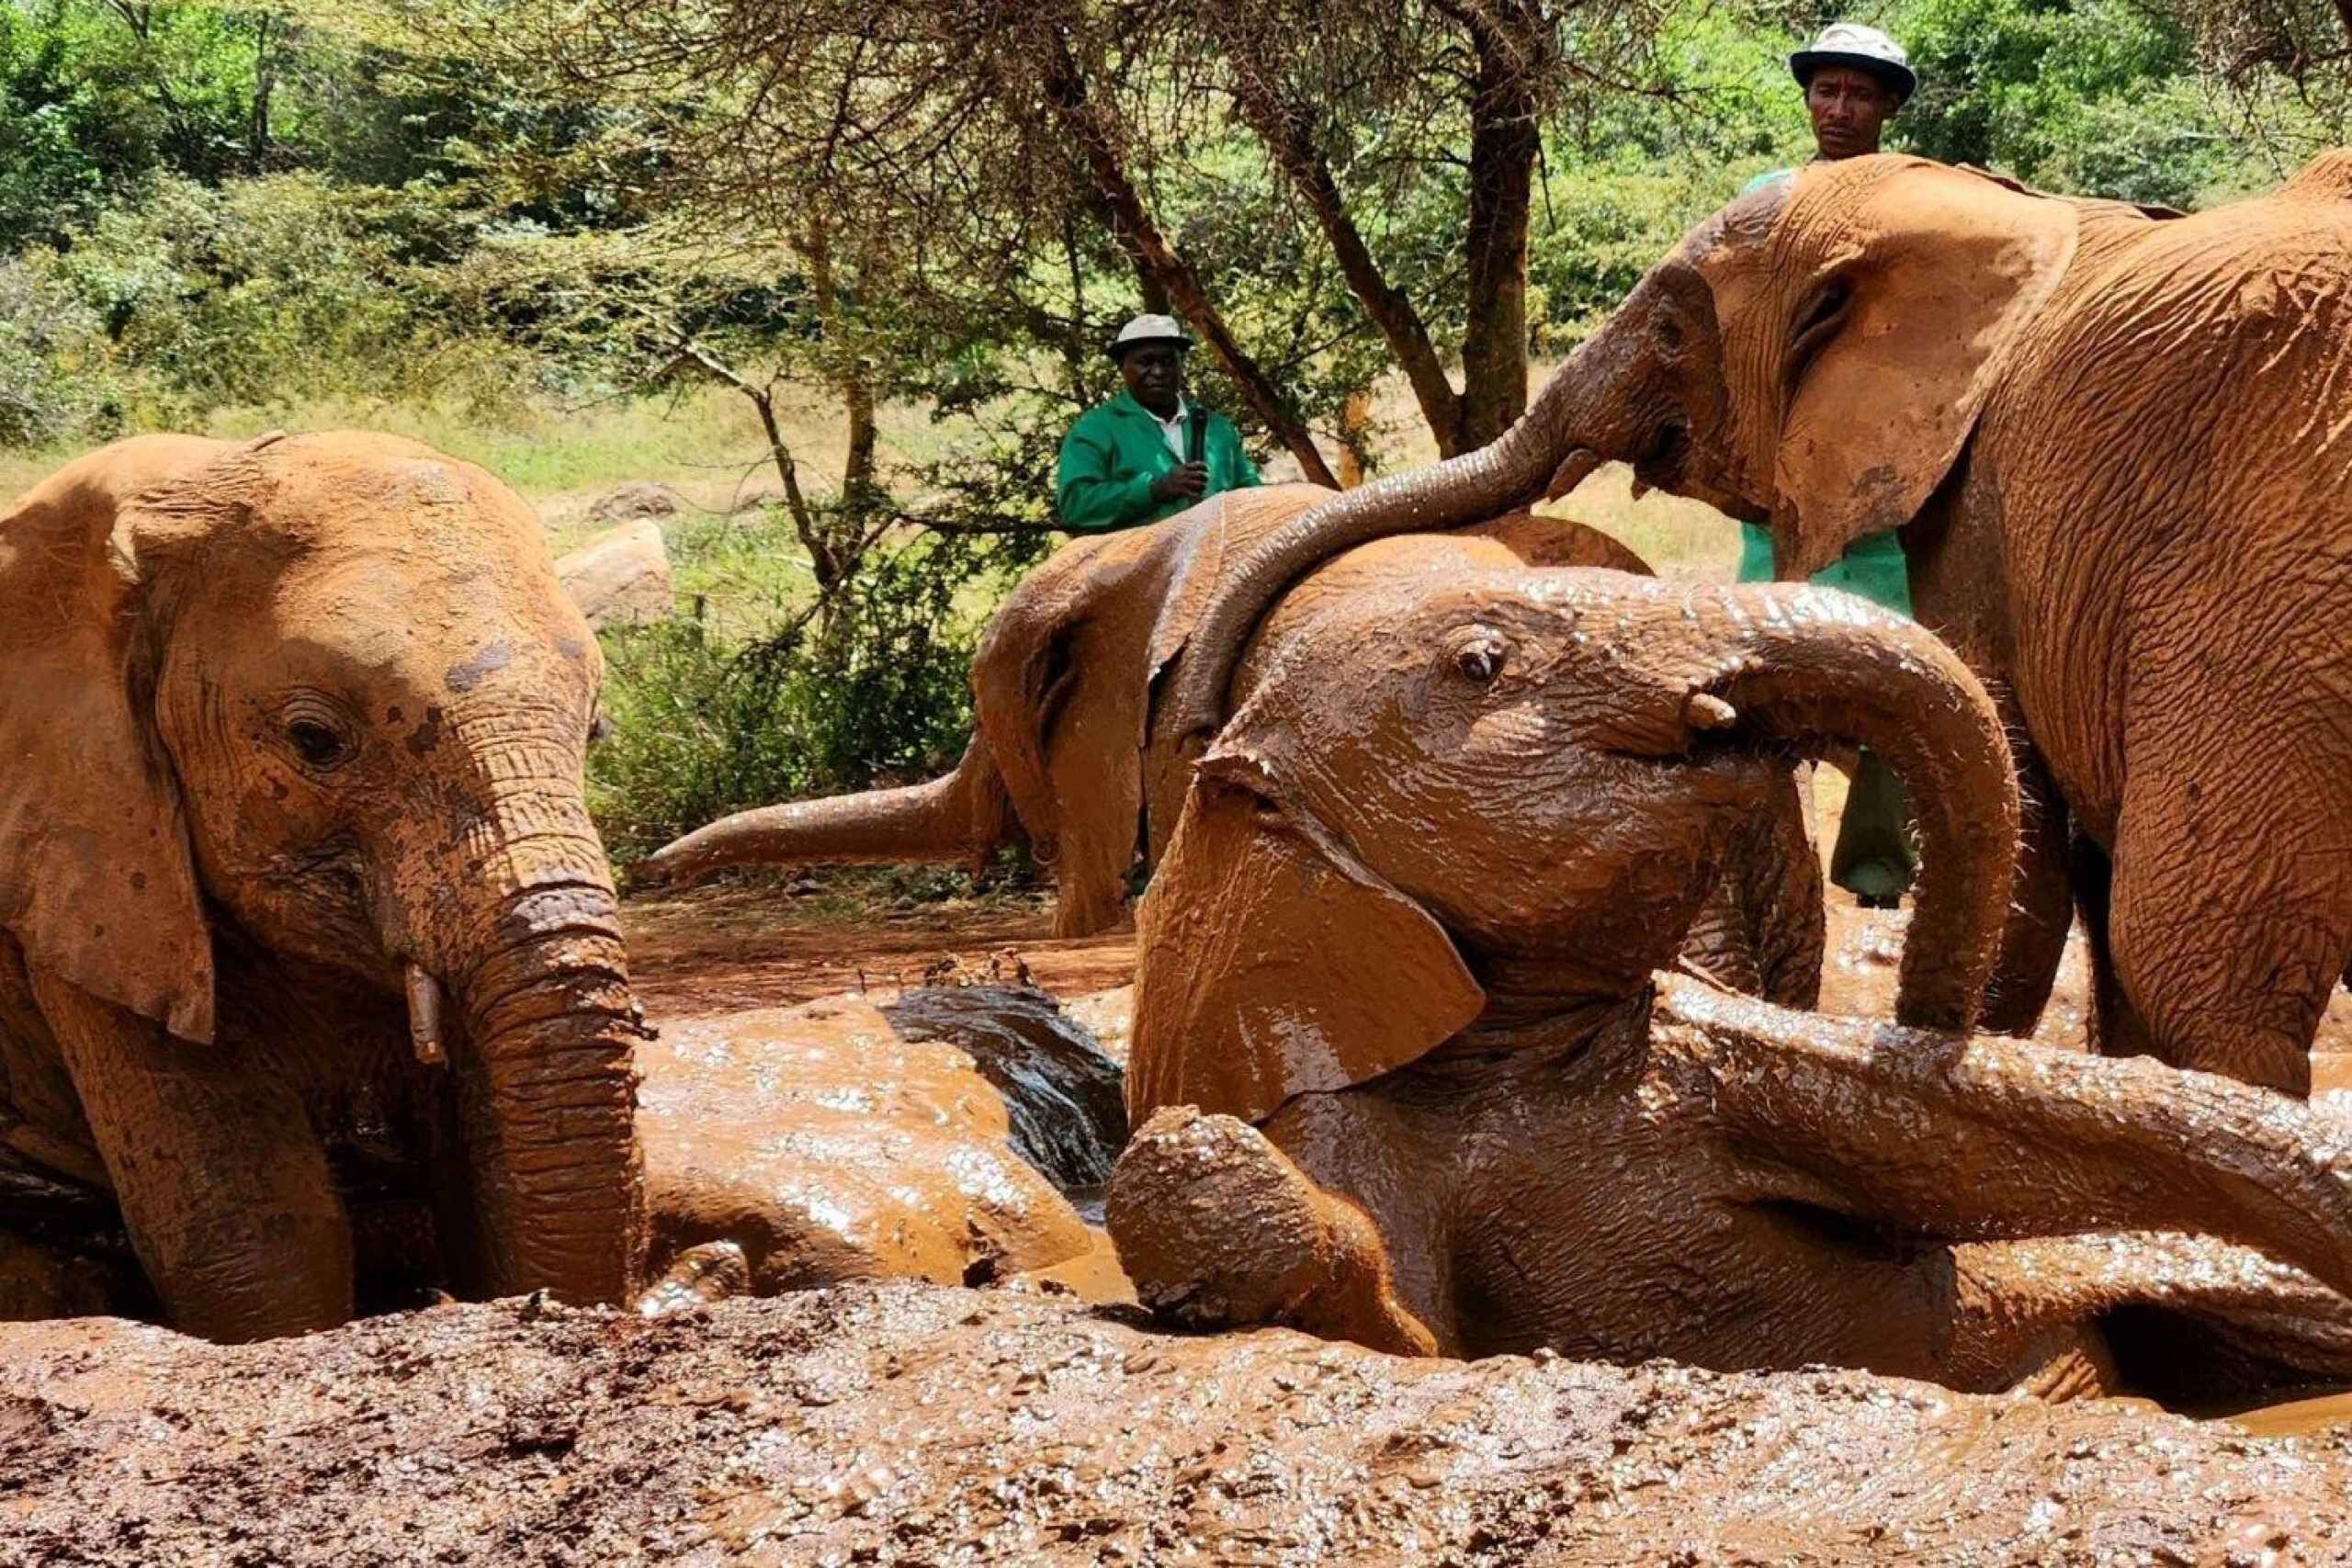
1812	666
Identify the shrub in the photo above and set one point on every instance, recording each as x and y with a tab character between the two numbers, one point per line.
55	380
876	693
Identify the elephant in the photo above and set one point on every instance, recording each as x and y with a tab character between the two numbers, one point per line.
294	866
2110	439
1067	755
840	1141
313	993
784	1148
1403	1070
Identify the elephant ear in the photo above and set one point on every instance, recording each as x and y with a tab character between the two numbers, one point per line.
1273	963
97	881
1915	287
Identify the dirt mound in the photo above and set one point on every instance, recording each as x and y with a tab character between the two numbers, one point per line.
923	1425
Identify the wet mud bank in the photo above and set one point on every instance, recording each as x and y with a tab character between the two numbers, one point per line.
912	1424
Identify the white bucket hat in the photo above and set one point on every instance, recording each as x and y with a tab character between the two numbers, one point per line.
1865	48
1148	328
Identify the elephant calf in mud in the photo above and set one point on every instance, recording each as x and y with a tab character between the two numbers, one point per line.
1069	754
1410	1079
312	979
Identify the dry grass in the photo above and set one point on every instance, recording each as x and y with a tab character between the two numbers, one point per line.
707	445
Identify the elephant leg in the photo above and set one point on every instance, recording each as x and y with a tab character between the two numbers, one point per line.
1987	1139
2116	1027
2230	920
1219	1229
2033	938
2013	1295
223	1182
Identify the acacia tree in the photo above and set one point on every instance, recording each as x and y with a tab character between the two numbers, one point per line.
1358	102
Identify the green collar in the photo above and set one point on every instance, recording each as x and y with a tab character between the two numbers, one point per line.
1125	403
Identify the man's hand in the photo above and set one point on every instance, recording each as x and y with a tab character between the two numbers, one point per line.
1186	480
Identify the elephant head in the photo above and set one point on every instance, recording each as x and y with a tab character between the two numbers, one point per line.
1498	797
319	704
1814	357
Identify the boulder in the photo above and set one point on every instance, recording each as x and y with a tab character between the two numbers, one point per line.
639	498
620	578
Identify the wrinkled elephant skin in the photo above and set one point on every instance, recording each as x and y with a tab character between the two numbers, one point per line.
300	900
2112	440
1405	1075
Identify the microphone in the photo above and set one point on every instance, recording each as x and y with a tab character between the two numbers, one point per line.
1197	432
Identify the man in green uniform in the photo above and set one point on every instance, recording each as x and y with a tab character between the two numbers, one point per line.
1147	452
1855	78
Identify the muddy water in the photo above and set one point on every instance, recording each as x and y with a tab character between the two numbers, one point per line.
2294	1417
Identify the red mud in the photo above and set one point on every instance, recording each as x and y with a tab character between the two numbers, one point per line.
918	1424
939	1425
751	944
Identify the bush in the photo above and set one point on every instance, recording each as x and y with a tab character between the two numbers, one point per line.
56	383
260	292
876	694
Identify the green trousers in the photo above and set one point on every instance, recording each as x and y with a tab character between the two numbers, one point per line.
1873	857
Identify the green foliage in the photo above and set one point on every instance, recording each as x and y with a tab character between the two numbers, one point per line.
56	382
702	725
2095	97
258	291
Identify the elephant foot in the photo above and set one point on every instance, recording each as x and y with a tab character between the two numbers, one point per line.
1218	1229
699	1277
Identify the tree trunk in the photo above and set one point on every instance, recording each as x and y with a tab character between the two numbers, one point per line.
1283	128
1094	130
1505	141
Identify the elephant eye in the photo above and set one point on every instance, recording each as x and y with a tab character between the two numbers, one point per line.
315	732
1478	657
318	746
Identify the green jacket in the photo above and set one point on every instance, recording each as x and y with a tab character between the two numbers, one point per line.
1872	567
1113	453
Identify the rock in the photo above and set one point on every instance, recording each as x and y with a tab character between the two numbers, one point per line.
620	578
639	498
1064	1098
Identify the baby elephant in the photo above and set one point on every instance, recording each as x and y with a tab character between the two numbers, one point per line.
1410	1078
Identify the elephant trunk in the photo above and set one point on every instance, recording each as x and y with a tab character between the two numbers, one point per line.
962	816
546	1100
1552	448
1809	665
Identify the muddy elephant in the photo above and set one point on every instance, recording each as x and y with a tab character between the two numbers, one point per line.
1067	753
840	1140
311	984
295	870
2111	440
1403	1072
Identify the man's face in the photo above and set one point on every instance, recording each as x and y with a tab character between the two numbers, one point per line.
1155	375
1849	108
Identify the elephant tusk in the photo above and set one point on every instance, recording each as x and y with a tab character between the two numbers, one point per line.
424	999
1703	710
